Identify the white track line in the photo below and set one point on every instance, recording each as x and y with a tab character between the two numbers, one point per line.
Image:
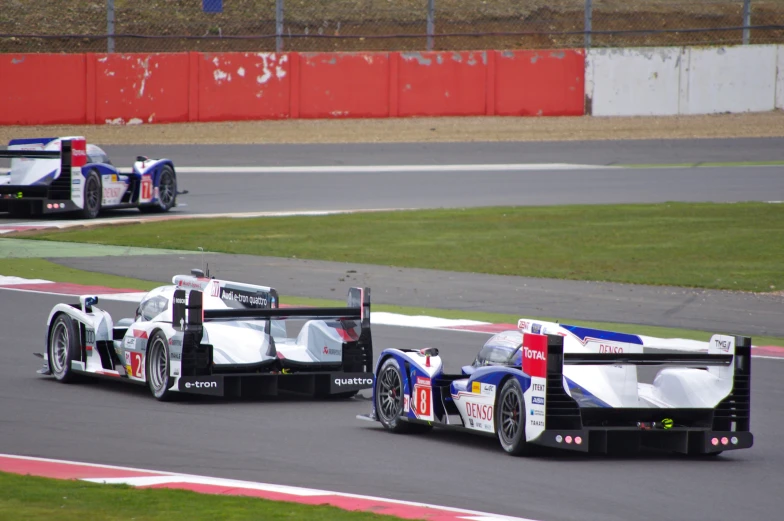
349	169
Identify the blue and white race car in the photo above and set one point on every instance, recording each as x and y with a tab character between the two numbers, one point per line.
574	388
56	175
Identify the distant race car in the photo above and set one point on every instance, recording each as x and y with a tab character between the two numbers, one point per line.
574	388
56	175
207	336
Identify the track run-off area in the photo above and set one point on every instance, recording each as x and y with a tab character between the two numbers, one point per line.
322	446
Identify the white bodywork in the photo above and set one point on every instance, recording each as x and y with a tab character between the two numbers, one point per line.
619	386
235	342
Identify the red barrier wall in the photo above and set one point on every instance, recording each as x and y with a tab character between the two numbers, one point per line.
343	85
442	83
42	88
175	87
236	86
141	88
540	83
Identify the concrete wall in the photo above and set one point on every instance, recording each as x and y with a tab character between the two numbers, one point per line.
684	80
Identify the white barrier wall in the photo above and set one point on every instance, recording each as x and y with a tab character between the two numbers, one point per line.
780	79
684	80
633	82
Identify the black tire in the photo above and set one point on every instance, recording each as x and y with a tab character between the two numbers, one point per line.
510	419
389	400
93	195
63	348
167	193
156	367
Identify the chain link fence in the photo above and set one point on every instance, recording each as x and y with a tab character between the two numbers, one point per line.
353	25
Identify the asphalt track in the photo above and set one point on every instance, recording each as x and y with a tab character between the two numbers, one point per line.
243	192
320	444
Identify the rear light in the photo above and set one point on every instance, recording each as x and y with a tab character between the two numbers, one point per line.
568	439
559	438
714	441
734	440
578	440
725	440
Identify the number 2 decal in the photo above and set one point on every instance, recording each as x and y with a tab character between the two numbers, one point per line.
136	365
146	187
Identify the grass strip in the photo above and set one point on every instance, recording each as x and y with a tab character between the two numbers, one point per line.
38	268
34	498
718	246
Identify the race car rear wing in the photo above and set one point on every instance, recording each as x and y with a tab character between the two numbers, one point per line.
189	315
558	415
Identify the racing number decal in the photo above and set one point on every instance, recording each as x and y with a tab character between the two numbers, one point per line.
423	399
136	365
146	187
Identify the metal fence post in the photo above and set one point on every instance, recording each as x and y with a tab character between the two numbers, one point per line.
746	21
279	25
431	23
588	24
110	25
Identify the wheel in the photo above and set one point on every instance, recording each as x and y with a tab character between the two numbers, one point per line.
93	194
167	193
389	400
510	419
63	348
157	367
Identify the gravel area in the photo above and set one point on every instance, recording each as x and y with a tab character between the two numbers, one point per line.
400	130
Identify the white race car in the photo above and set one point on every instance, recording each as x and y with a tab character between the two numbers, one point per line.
207	336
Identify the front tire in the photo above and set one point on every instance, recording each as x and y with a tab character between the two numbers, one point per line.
93	194
510	419
156	367
167	192
63	348
389	400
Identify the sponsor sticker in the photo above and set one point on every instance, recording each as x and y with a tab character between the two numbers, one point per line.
608	348
488	389
536	329
522	325
211	385
476	387
347	382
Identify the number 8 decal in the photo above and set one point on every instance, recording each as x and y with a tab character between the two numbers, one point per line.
423	399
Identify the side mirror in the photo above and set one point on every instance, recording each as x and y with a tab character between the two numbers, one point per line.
141	158
467	370
88	303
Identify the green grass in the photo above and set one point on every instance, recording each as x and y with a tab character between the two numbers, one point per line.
43	269
38	268
718	246
34	498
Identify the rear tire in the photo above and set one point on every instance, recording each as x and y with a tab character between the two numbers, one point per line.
156	366
389	400
93	194
510	419
63	348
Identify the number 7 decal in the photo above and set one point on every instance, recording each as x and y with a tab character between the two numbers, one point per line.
146	188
